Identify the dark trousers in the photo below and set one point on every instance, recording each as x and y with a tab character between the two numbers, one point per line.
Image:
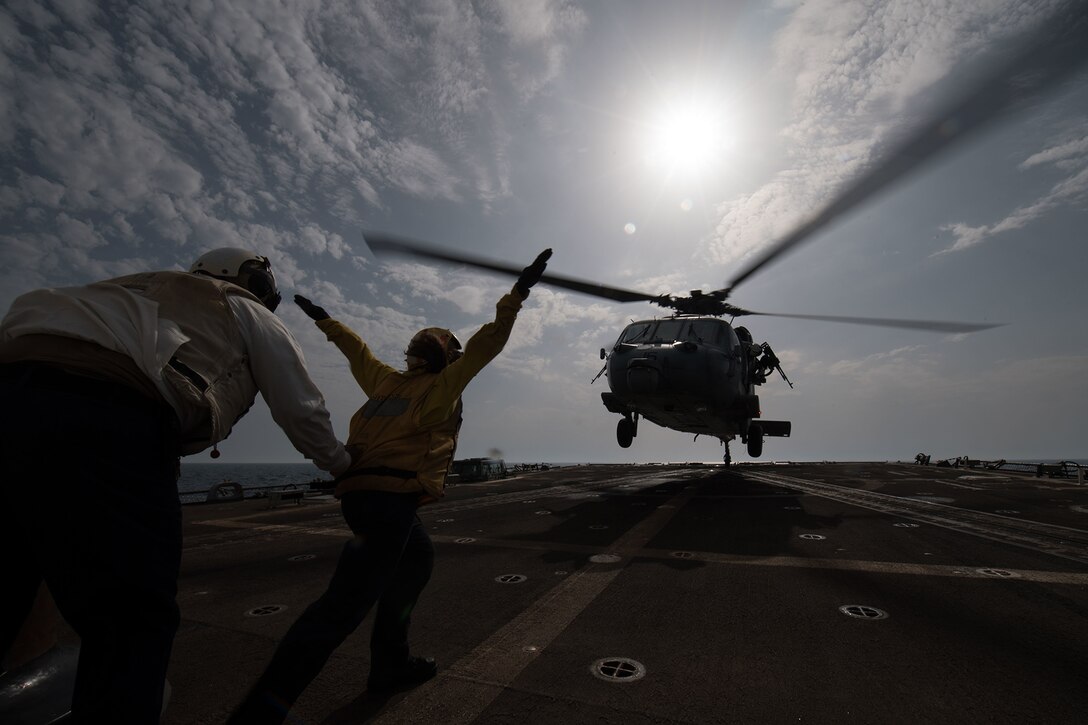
388	562
89	503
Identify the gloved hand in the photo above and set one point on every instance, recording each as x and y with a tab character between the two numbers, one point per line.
313	311
531	274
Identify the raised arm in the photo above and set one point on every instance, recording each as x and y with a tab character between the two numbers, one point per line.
482	347
367	370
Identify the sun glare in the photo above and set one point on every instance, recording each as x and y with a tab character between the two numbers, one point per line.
686	138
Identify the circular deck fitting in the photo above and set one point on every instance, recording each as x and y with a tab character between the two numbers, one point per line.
682	555
445	521
618	669
998	573
598	527
266	610
465	540
813	537
302	557
604	558
511	578
905	525
529	500
862	611
542	513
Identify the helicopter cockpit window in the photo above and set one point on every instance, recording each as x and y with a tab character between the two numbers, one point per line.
670	331
708	332
638	332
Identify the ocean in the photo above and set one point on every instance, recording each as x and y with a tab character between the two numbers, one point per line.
197	478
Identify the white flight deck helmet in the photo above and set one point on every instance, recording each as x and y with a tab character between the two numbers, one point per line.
243	268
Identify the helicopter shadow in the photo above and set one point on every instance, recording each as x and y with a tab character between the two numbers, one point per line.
587	524
731	514
725	514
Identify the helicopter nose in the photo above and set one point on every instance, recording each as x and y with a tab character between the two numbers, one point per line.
642	377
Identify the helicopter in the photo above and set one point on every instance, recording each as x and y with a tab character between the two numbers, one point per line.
695	372
691	371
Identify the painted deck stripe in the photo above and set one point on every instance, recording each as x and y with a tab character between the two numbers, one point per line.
463	691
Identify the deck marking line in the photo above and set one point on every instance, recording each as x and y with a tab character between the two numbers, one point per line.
962	485
566	489
1060	541
464	690
711	557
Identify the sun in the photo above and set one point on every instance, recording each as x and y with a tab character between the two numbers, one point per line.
687	137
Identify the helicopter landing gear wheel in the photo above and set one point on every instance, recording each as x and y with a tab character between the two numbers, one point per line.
625	432
755	441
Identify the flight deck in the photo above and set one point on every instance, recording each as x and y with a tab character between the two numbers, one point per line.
679	593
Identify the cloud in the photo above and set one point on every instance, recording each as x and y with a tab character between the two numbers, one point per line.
542	29
546	309
441	285
1070	157
541	346
671	283
1070	154
854	69
891	372
317	241
283	123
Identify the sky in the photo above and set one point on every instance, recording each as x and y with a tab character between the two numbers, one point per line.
653	146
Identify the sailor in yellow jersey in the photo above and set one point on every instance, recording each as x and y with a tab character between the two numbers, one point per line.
402	442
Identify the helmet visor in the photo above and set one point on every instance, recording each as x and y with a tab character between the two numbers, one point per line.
257	277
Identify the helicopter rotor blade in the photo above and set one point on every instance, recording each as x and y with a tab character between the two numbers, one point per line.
1043	57
381	243
929	325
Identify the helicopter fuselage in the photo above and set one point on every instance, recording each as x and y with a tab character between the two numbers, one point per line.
693	374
